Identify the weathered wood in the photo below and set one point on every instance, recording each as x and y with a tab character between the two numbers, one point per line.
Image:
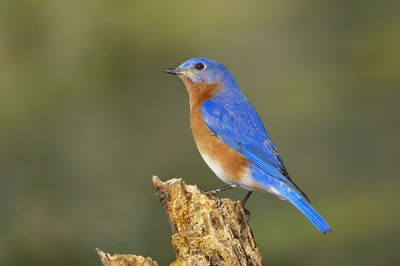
205	231
124	259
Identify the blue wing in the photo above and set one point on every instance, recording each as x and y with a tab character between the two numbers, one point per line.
235	121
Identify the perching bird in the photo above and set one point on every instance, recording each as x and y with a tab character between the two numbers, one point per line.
232	139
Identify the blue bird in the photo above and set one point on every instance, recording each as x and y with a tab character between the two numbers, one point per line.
232	139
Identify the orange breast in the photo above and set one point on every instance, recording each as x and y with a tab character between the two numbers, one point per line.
230	161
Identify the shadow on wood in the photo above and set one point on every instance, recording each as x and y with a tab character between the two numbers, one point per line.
204	233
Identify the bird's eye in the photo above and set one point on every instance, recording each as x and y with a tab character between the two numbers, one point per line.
199	66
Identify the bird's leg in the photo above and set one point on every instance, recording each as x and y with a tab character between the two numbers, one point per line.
246	211
216	190
212	192
246	198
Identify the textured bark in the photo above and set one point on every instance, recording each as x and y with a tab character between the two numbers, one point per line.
204	232
124	259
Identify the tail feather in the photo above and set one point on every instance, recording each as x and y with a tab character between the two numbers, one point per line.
301	203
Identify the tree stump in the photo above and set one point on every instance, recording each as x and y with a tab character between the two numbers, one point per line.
205	231
124	259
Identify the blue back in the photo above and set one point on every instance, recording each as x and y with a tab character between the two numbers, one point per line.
234	119
230	115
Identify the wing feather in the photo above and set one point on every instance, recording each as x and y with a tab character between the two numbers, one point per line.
237	123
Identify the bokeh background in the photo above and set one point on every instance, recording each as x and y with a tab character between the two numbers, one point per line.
87	116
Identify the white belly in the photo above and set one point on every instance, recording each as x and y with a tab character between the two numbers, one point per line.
246	182
217	169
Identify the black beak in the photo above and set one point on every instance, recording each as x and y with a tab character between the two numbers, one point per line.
174	71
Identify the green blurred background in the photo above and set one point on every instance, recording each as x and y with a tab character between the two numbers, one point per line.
87	116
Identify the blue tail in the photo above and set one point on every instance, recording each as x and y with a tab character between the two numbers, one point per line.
301	204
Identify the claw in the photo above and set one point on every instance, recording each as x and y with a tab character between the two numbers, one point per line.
210	193
199	188
218	200
244	201
247	212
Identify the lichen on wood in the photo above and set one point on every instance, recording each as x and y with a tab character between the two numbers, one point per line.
205	231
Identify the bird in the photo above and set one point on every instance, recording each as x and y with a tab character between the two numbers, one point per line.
232	139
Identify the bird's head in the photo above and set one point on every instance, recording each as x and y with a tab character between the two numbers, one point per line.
202	70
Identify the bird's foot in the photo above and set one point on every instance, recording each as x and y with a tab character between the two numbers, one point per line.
244	201
202	190
248	214
210	193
